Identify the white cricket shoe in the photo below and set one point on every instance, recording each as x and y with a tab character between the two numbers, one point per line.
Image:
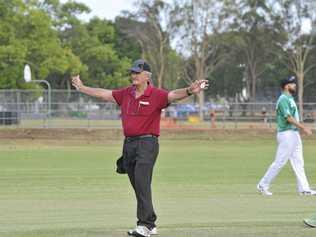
308	193
263	191
139	231
154	231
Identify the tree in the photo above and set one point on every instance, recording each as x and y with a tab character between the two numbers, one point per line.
125	46
227	78
94	43
255	35
63	15
149	27
299	45
12	49
196	26
28	36
105	67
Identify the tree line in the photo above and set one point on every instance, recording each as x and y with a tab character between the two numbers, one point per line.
244	47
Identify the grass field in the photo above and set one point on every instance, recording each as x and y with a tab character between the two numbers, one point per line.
201	188
85	123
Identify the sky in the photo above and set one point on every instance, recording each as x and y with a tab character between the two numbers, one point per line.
107	9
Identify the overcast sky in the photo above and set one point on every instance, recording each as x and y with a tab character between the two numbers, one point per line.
107	9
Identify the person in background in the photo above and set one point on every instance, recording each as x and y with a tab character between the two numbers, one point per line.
289	141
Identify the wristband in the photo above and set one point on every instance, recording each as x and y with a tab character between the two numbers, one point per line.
188	92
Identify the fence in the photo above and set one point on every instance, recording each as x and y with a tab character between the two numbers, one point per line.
71	109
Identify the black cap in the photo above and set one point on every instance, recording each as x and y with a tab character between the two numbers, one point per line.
288	80
139	66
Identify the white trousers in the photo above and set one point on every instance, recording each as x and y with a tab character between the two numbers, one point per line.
289	148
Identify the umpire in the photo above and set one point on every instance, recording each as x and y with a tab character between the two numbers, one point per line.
141	104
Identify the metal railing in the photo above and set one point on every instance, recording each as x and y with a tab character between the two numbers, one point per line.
71	109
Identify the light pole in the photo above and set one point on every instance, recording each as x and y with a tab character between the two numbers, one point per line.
28	78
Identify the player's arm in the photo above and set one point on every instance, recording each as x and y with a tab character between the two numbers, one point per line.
194	88
102	94
299	125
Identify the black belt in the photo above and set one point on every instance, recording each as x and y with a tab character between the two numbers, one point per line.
130	139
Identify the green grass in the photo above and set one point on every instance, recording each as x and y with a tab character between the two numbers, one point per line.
201	188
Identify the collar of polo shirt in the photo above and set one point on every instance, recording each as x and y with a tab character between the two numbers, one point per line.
147	92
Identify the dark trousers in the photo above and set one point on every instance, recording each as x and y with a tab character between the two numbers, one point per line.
139	159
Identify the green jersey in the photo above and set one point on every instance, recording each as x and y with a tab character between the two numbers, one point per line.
286	107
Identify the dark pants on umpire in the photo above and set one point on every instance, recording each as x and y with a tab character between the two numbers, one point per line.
140	155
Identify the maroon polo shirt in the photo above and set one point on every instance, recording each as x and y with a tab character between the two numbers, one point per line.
141	115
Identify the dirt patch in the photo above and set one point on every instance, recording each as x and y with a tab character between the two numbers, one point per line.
61	134
95	135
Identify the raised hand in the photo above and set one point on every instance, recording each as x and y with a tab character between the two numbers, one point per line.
198	86
76	82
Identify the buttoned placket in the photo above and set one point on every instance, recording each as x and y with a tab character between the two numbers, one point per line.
132	100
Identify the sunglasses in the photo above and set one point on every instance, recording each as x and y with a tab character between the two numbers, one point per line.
135	73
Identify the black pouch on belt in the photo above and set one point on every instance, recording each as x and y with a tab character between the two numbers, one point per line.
120	168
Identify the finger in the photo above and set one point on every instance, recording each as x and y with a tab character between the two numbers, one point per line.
193	84
199	82
204	81
75	78
76	87
74	82
203	84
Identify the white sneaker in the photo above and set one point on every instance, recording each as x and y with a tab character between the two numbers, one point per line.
154	231
308	193
263	191
139	231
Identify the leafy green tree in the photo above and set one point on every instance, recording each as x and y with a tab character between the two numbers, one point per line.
255	35
31	38
298	48
196	26
105	67
12	49
125	46
148	26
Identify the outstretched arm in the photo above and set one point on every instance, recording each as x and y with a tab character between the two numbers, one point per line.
194	88
102	94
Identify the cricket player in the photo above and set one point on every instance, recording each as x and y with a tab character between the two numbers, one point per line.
289	141
141	104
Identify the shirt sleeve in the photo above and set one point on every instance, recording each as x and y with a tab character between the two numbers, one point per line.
118	95
284	108
163	98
